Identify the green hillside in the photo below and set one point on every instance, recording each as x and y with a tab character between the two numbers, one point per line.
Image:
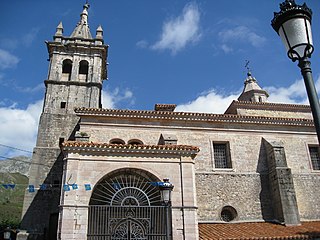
11	200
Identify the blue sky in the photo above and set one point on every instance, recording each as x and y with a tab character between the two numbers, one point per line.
190	53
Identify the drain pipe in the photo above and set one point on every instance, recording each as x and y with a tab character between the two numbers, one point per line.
182	200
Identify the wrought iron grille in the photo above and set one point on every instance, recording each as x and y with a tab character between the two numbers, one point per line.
221	158
315	159
126	205
124	223
124	189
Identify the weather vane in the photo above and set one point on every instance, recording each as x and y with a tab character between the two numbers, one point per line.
247	66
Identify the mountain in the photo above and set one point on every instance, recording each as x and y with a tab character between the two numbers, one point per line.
13	171
20	164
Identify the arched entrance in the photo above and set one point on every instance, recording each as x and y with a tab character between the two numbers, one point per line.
125	204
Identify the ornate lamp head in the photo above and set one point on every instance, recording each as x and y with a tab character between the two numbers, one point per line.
293	25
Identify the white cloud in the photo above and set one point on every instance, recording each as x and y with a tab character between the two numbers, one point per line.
226	48
7	60
110	99
142	44
37	88
210	102
295	93
214	102
28	38
178	32
243	34
18	128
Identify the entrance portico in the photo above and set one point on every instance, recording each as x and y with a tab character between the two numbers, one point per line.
124	202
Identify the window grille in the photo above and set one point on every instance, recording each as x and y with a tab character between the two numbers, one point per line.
315	159
221	155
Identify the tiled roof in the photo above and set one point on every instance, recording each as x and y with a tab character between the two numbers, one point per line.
258	231
164	107
174	149
190	116
268	106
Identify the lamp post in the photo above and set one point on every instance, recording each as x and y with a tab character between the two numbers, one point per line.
165	191
293	25
7	233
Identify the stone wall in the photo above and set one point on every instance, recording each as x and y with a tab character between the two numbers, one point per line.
268	113
247	193
308	195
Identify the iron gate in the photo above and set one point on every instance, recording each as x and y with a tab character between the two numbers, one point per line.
127	222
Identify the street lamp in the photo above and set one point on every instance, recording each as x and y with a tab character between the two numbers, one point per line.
293	25
165	191
7	233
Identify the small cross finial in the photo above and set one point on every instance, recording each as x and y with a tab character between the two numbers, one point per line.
247	67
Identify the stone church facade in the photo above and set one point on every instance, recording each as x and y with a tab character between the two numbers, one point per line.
257	162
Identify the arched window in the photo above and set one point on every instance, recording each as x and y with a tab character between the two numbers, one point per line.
117	141
135	142
66	69
83	70
130	200
127	187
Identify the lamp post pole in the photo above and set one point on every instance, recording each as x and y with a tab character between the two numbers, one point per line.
293	25
165	190
306	72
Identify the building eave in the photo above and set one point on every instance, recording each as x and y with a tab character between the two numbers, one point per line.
183	150
189	116
267	106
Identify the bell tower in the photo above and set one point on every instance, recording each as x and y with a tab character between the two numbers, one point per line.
77	68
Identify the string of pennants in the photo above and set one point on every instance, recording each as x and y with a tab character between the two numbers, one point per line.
67	187
31	188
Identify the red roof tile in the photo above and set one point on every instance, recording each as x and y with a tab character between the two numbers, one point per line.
183	149
258	231
189	116
267	106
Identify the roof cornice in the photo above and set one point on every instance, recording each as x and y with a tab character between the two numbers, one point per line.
270	106
189	116
185	150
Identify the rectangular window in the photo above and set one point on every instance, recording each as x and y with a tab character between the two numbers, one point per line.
63	105
61	140
221	155
314	155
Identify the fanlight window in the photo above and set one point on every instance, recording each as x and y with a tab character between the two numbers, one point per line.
128	187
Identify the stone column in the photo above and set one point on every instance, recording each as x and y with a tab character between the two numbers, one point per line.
282	191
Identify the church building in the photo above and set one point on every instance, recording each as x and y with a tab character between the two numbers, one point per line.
112	174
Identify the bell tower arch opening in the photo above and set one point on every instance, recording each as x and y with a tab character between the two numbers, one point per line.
66	69
83	70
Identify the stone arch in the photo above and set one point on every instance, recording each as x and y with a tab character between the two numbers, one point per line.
126	187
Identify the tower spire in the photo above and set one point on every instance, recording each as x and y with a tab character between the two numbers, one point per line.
252	92
82	29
